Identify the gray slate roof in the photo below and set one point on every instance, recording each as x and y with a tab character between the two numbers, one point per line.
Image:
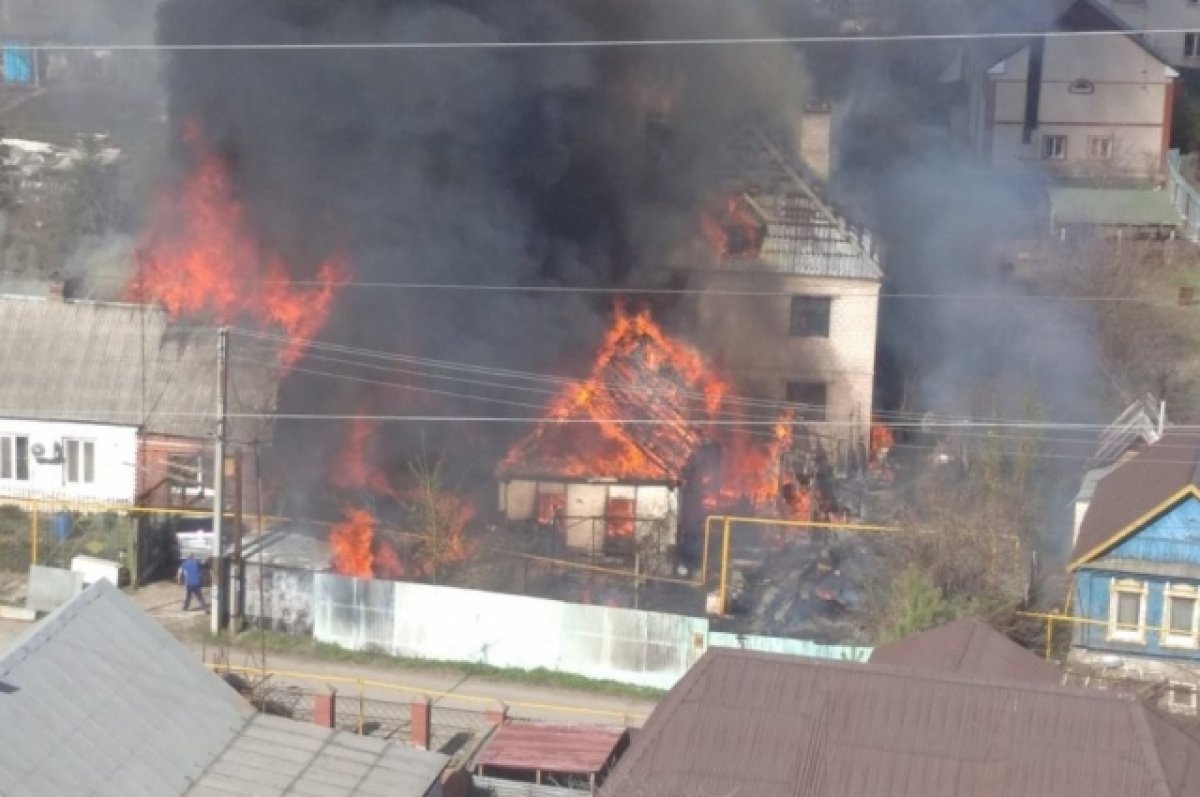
99	700
122	364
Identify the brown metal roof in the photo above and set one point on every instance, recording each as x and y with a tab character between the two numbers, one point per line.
971	648
785	726
569	749
1136	488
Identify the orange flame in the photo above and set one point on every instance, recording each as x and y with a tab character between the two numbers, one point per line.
199	257
351	541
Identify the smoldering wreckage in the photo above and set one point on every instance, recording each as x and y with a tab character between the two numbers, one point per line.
606	496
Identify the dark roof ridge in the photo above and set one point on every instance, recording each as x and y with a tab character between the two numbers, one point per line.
941	676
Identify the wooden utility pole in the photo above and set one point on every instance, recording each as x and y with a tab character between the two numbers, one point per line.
219	592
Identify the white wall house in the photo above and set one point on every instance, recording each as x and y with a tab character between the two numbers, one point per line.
104	403
71	462
1093	107
1181	45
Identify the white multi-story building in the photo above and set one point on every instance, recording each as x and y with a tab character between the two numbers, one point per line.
1093	107
1176	24
787	292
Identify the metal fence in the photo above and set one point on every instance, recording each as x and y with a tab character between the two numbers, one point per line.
54	536
1183	195
450	624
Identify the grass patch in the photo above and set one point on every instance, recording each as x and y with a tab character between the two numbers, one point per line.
306	647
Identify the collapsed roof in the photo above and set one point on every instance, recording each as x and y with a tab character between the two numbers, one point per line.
630	419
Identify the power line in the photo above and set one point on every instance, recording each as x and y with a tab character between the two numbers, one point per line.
711	41
747	293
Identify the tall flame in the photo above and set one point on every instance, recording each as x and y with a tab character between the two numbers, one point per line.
351	541
199	256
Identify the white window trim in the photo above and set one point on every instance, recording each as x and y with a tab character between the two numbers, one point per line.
1170	640
1127	585
13	436
1092	142
82	441
1061	155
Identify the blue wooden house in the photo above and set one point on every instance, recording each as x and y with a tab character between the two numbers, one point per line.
1136	563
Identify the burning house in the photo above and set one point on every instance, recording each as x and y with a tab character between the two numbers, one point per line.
625	453
787	293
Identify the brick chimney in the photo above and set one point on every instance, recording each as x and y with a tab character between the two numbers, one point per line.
56	289
816	144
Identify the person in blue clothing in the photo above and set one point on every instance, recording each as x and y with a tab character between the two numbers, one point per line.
190	577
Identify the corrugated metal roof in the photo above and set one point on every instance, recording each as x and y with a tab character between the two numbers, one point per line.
1113	207
969	647
1137	487
98	699
122	364
571	749
780	726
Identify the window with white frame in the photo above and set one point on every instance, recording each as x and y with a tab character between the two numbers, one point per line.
1100	148
14	457
79	461
1127	611
1054	148
1191	45
1180	619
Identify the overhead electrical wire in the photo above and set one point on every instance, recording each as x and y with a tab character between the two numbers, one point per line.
699	41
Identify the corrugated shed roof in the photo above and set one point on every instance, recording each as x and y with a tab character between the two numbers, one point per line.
122	364
804	234
573	749
969	647
98	699
780	726
1137	487
1113	207
275	756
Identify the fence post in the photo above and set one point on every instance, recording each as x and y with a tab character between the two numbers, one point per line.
359	722
33	534
420	726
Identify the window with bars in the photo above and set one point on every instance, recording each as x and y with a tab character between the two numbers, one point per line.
1191	45
1100	148
14	457
79	461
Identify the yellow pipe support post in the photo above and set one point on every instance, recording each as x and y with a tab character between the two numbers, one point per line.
33	533
722	607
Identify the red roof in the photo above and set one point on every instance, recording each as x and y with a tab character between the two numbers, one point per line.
571	749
